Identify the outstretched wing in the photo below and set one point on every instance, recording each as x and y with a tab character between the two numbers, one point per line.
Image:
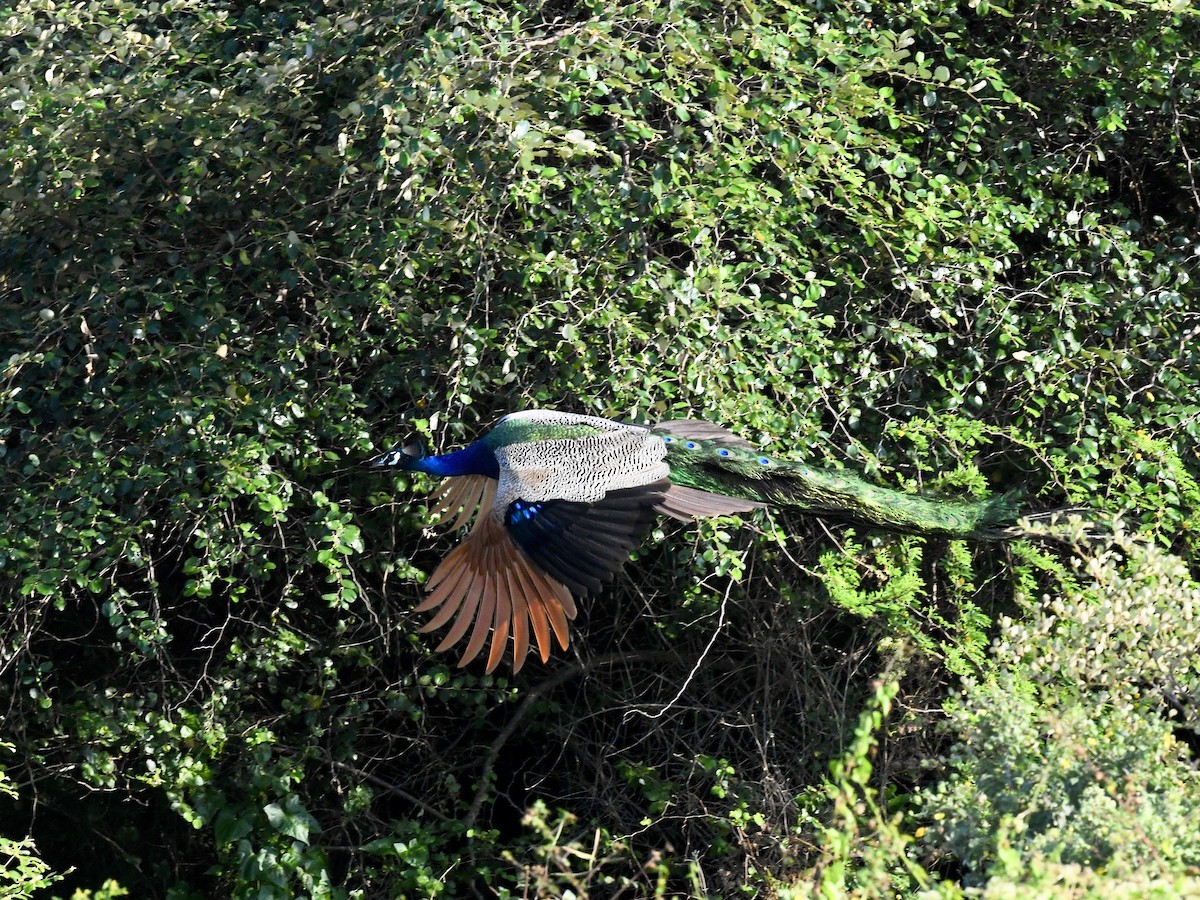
583	545
521	568
564	518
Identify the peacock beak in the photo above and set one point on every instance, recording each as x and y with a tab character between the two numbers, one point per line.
402	457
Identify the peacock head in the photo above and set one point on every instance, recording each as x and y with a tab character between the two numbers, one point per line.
406	457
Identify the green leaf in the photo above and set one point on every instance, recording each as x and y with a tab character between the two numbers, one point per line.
291	819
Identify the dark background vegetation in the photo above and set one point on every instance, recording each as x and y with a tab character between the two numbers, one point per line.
245	246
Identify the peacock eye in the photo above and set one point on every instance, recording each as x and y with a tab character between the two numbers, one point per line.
723	452
764	461
691	445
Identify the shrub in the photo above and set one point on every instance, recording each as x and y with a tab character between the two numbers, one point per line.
1074	750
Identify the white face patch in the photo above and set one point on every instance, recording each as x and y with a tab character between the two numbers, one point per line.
391	458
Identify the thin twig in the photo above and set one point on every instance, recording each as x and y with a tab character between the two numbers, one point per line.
395	789
534	694
695	668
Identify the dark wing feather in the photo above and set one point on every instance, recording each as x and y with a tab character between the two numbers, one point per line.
583	545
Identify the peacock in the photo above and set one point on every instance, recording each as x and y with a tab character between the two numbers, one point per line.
560	500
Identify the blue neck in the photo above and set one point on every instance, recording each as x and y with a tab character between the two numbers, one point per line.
475	459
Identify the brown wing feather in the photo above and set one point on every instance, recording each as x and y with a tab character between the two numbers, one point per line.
500	634
483	625
558	621
520	625
566	601
485	586
460	499
465	616
488	585
509	617
687	503
487	496
450	597
535	607
444	584
557	603
449	497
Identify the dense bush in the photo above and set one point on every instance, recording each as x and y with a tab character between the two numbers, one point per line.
1076	749
244	246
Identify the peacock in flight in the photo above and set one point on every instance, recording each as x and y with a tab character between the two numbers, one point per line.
560	500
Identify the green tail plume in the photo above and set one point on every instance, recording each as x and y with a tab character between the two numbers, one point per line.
720	463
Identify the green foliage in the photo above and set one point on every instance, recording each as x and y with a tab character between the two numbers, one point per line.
22	871
241	246
1067	779
110	890
887	584
1065	754
569	861
865	851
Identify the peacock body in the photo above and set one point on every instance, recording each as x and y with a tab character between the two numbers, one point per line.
558	502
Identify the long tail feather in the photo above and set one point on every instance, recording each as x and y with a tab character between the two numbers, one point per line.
726	469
